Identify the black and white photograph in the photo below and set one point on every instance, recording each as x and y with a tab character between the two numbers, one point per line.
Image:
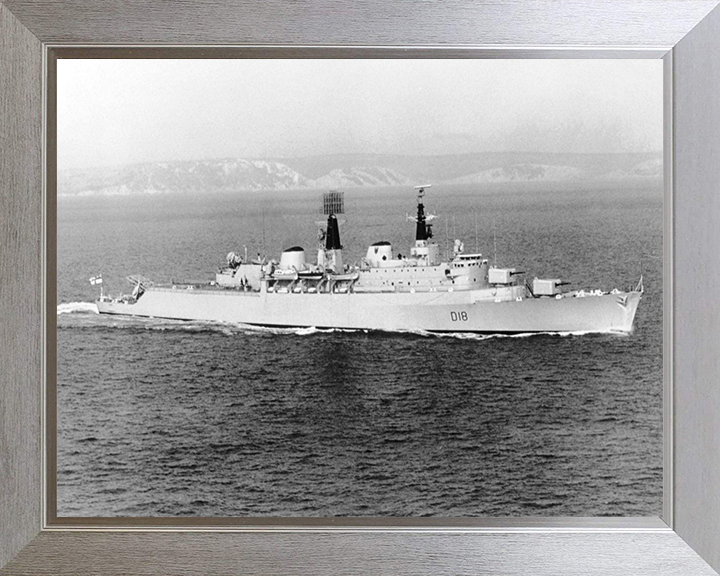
359	288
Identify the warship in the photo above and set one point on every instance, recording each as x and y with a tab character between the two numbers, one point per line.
420	291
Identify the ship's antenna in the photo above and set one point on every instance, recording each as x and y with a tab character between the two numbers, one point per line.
333	202
494	244
263	224
447	240
477	242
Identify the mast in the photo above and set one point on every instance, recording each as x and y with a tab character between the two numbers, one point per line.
424	252
333	204
332	236
423	230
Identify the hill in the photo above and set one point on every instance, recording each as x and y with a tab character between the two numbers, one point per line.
353	170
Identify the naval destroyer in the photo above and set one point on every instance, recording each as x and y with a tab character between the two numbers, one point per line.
421	291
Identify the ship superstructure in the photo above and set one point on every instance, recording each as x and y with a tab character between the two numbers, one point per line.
385	291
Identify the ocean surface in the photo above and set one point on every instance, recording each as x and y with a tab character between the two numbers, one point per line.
166	418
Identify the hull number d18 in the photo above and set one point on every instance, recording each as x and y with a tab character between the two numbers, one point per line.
458	316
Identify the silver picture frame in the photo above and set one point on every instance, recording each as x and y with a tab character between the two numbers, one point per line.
685	34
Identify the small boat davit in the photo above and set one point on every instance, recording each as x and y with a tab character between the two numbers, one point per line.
421	291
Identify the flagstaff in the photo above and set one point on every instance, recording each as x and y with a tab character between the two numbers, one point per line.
97	280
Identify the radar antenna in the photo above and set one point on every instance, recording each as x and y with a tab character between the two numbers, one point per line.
421	190
333	202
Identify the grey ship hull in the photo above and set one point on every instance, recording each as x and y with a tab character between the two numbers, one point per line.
458	311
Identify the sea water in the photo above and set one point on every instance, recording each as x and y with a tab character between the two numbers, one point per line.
166	418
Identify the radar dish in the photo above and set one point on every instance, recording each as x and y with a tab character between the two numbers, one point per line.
421	190
333	202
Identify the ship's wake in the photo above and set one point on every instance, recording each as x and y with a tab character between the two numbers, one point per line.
486	336
77	308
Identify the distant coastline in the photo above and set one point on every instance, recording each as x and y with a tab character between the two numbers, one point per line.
353	170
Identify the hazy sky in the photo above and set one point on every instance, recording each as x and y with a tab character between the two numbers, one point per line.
122	111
